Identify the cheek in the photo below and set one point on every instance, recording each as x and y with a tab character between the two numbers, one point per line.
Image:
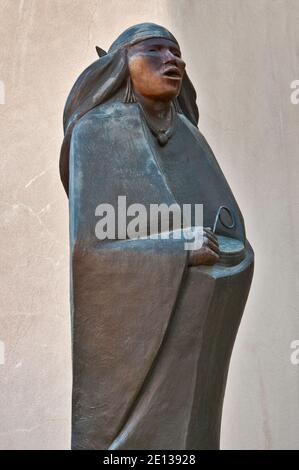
146	78
143	74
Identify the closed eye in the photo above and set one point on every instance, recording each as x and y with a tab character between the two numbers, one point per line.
176	52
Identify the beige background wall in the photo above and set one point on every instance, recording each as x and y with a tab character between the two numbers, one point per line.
242	56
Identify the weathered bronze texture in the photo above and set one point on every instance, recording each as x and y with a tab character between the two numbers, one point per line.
153	324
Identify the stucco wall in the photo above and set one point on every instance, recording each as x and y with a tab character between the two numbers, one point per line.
242	56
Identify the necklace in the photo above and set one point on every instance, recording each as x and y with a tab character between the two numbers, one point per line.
162	134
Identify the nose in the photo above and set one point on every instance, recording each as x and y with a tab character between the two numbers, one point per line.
173	59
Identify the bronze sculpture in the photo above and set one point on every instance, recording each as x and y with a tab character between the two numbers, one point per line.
153	324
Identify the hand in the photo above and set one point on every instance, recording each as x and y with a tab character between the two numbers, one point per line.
208	254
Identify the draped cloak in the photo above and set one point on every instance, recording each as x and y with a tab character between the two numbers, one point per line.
151	337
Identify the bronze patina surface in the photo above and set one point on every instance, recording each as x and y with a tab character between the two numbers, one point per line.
153	324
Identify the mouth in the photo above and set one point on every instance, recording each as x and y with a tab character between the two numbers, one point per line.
172	72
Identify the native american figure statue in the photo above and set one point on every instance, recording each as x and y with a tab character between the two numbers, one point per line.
153	323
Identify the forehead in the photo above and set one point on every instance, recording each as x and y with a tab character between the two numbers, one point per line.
161	42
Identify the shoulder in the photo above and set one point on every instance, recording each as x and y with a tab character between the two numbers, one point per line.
102	116
195	132
202	143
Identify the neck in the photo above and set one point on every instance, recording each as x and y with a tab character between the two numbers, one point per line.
156	109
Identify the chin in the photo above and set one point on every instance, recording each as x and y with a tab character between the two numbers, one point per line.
168	93
172	90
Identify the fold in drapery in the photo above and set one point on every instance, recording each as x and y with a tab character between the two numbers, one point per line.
144	324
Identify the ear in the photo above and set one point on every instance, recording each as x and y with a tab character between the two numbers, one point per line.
100	51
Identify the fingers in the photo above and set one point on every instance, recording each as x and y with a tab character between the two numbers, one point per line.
208	232
211	241
208	254
212	245
210	257
203	256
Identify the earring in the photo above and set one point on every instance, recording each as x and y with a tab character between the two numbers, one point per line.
129	93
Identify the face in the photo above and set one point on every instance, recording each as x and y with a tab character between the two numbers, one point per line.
156	68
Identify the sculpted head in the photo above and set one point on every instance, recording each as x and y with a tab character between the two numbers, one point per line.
143	64
156	68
